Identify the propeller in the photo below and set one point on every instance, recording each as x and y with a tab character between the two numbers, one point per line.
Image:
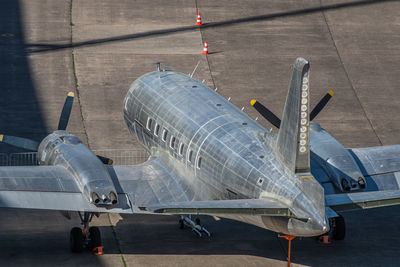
66	112
321	104
274	120
106	161
32	145
24	143
266	113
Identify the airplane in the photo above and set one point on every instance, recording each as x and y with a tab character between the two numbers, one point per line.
207	157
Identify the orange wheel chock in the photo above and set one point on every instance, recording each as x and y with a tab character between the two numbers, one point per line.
324	239
98	250
289	238
84	232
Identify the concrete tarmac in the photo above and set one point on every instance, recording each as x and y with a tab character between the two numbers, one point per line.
97	48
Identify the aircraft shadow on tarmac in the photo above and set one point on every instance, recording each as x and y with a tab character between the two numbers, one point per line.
39	48
367	231
20	112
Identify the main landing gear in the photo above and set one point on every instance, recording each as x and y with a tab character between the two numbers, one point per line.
337	232
197	229
86	237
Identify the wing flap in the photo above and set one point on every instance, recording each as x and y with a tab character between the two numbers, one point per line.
65	201
37	178
264	207
363	200
377	160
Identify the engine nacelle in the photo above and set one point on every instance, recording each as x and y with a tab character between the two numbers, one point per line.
66	150
335	160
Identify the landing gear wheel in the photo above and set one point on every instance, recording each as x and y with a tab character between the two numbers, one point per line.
76	240
94	237
339	232
197	221
181	224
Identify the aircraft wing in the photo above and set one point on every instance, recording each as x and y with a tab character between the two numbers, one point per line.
47	187
362	200
151	187
267	207
381	168
377	160
146	188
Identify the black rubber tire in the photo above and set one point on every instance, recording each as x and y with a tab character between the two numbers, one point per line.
94	237
197	221
339	232
181	224
76	240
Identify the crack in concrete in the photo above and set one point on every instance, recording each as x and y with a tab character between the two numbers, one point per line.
84	126
347	75
75	76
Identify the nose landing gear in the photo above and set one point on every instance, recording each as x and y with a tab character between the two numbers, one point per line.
86	237
197	229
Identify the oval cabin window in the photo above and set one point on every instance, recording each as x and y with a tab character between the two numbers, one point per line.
181	149
190	155
148	124
157	129
172	142
199	163
164	135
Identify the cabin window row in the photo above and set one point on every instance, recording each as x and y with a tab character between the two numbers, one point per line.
172	141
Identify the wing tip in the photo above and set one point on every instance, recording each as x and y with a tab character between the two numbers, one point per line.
330	93
71	94
252	102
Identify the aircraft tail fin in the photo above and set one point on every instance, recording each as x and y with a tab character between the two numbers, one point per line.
293	146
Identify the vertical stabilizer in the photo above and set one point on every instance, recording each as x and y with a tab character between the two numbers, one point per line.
293	146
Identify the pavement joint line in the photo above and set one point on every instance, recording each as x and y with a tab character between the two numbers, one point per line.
75	76
117	241
84	127
202	42
347	74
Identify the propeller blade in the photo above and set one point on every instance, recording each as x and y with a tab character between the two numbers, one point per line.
266	113
66	111
321	104
24	143
106	161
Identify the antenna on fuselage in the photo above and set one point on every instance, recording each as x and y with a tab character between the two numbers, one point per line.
158	66
195	68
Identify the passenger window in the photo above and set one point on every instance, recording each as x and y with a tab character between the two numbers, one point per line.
164	135
181	146
199	163
172	142
190	155
157	129
148	124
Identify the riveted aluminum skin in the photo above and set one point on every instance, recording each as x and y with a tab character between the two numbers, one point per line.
225	150
66	150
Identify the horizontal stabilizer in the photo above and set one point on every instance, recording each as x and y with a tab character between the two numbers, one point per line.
363	200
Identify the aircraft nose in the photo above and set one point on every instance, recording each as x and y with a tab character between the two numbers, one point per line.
315	226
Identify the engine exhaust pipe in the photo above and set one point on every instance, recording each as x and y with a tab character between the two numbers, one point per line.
95	198
113	198
104	198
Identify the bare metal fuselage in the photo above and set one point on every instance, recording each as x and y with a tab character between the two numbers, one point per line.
211	143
